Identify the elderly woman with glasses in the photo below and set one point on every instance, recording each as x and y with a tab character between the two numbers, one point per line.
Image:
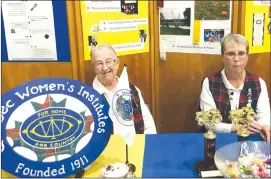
106	64
227	89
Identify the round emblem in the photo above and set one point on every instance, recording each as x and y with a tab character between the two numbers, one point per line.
52	128
122	107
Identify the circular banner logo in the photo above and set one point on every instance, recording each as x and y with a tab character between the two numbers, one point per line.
52	127
122	107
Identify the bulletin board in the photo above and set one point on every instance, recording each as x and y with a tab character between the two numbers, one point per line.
61	36
256	26
194	26
122	24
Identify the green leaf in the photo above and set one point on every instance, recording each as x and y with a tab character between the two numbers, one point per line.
36	106
59	104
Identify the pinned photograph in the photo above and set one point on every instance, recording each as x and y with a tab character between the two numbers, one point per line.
212	10
129	7
92	41
142	36
213	35
175	21
13	31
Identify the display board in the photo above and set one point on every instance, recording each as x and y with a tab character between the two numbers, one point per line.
122	24
194	26
257	19
34	31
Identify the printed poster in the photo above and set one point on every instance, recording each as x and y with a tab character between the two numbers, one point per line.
122	24
194	26
257	25
262	2
29	30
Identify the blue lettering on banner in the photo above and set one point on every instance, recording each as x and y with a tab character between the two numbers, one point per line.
54	125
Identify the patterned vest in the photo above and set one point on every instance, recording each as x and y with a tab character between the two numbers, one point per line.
138	117
221	96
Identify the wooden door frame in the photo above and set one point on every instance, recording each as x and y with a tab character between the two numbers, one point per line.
76	39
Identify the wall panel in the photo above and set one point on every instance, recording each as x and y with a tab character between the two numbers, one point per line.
178	79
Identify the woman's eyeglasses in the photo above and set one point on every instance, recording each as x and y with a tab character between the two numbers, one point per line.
241	54
108	62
